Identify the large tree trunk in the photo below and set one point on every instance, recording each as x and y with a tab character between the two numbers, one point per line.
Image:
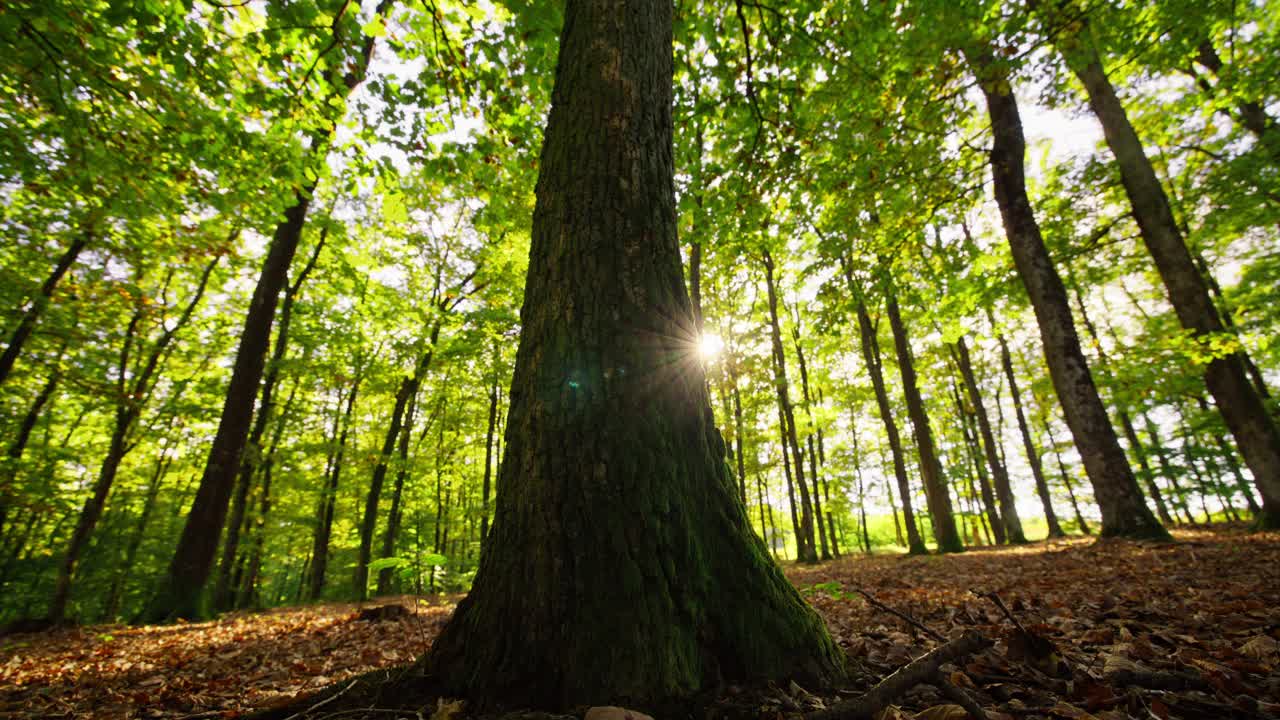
1253	428
1028	443
806	548
991	449
871	358
620	565
27	324
935	484
1123	511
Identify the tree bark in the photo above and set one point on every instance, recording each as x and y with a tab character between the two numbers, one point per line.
488	459
1123	511
935	484
368	522
385	576
1246	416
620	564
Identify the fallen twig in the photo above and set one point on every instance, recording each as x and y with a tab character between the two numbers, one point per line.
323	702
921	670
907	618
961	698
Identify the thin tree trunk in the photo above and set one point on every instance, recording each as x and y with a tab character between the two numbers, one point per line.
871	358
1246	416
809	442
133	385
488	458
393	517
1028	444
1179	499
407	387
970	432
329	498
806	548
1123	511
27	324
935	484
135	542
1000	476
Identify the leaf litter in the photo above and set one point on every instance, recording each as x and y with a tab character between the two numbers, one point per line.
1081	630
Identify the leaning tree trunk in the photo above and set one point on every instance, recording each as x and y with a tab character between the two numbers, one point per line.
1124	513
181	589
385	576
620	564
1028	444
970	435
935	484
991	449
1246	416
27	323
871	356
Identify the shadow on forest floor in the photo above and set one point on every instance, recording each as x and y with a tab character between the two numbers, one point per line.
1206	609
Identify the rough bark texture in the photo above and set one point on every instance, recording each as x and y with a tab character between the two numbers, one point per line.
871	356
620	565
991	449
1254	430
1123	511
935	483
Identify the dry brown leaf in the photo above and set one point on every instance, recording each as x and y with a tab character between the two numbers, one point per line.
943	712
1261	647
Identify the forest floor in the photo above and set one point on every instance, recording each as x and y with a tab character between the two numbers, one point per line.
1183	630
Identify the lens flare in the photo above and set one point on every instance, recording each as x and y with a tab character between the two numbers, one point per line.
709	347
